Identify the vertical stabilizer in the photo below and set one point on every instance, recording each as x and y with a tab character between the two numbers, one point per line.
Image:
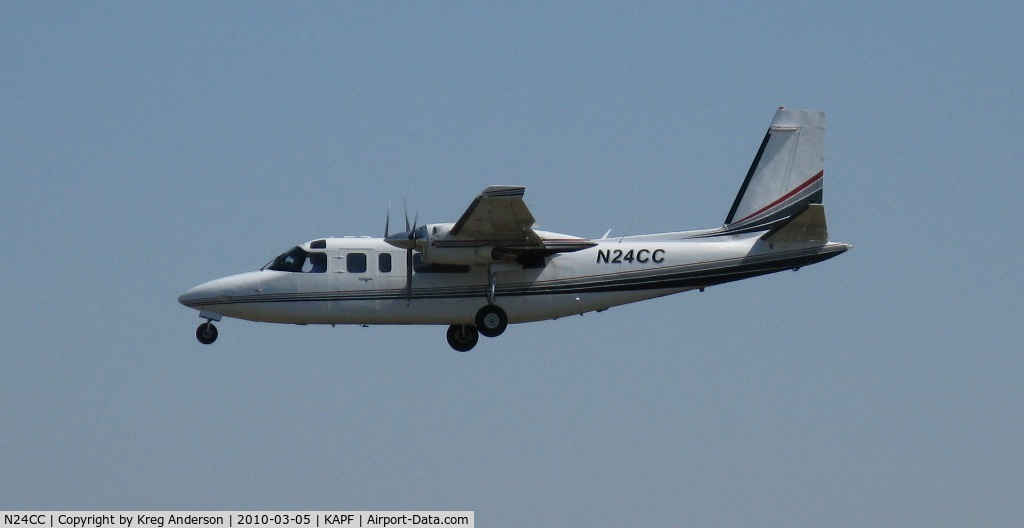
786	175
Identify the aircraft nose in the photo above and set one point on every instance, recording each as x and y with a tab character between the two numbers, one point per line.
219	291
191	297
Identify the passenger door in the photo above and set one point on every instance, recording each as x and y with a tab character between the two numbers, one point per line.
353	270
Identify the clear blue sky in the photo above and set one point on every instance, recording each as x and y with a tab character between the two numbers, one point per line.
148	147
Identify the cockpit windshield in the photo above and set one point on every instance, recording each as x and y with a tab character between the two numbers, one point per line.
298	260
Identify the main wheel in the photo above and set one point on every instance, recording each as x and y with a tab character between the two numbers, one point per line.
462	337
206	333
491	321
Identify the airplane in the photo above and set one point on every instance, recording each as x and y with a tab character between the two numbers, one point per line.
492	267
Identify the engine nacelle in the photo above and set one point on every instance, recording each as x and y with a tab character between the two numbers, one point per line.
438	247
459	256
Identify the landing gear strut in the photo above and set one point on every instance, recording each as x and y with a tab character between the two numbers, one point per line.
463	337
206	333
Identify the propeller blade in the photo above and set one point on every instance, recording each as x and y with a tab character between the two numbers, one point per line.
406	239
408	276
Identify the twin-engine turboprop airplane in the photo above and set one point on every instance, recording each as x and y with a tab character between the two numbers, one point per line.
492	268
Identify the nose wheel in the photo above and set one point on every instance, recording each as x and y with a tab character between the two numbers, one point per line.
206	333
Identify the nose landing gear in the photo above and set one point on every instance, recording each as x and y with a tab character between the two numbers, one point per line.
206	333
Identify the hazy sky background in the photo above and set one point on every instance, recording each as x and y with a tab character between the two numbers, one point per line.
148	147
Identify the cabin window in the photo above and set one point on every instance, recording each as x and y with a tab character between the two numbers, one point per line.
356	263
384	262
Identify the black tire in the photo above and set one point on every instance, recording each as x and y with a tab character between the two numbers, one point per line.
463	337
206	333
491	321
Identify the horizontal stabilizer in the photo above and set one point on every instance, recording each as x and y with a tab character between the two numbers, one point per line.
807	227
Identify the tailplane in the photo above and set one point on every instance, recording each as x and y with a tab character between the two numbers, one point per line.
785	178
806	228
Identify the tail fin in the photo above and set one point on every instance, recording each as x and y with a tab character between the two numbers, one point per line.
786	175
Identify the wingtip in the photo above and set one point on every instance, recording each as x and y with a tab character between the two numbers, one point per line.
504	191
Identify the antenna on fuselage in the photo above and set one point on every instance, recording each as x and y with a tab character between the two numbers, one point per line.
624	234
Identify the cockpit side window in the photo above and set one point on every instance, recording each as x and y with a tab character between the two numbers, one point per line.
317	263
298	260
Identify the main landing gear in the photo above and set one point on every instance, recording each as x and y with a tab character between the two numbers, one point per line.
491	321
463	337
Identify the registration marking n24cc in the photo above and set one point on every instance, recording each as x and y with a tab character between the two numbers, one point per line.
642	256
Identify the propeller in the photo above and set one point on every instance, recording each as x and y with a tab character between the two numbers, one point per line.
406	241
408	255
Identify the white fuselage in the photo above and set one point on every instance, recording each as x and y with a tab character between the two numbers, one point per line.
364	281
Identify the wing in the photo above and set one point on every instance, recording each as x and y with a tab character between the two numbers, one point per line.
500	218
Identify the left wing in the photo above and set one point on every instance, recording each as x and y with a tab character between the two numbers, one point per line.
500	218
